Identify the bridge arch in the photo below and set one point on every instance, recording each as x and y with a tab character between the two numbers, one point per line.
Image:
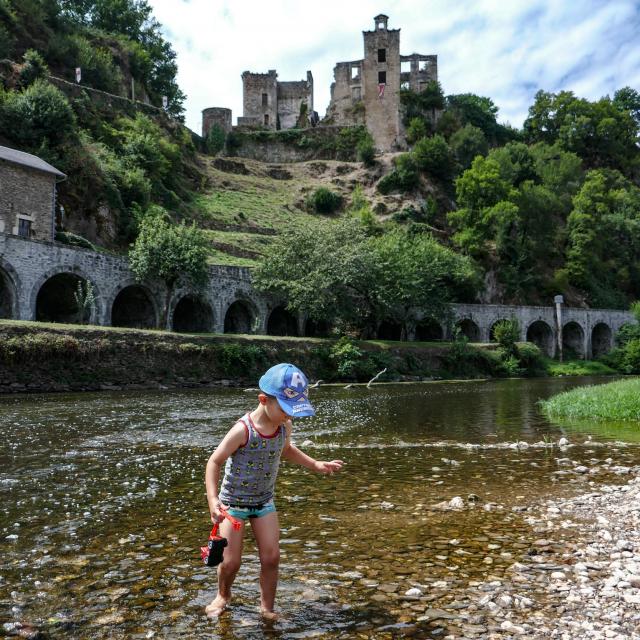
134	306
601	339
428	330
192	313
282	322
541	334
52	297
389	330
240	317
9	287
316	328
573	340
469	329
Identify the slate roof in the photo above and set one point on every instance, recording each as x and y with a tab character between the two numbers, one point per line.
28	160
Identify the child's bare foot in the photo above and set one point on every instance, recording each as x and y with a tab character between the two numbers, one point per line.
216	606
269	616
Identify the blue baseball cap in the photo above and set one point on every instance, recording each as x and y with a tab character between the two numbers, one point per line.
290	386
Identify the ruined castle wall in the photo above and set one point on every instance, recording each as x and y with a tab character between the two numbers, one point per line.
260	97
420	70
347	94
216	115
382	111
291	96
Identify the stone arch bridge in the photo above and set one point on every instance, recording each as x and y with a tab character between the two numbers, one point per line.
38	281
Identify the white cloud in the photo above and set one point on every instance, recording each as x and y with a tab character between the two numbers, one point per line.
503	49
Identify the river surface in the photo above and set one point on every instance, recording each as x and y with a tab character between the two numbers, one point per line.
103	508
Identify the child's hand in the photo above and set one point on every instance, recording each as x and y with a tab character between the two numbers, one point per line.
217	508
326	467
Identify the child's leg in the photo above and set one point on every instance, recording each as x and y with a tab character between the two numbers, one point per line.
228	568
267	533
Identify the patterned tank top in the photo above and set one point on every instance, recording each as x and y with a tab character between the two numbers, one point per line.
250	472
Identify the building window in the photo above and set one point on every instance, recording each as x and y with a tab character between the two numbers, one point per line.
356	93
24	228
265	100
355	72
382	77
266	119
382	55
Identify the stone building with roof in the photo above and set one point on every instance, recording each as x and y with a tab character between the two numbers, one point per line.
27	195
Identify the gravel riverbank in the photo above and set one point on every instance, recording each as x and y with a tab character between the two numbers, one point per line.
581	578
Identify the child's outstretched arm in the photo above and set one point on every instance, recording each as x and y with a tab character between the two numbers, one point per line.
293	454
235	438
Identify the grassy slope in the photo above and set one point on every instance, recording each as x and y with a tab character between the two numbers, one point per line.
618	400
243	212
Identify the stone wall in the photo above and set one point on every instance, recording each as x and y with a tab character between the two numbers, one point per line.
291	96
216	116
29	195
260	97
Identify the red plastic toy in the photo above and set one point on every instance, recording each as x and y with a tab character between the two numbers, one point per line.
212	554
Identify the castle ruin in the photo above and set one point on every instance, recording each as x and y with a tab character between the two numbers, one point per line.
364	92
367	91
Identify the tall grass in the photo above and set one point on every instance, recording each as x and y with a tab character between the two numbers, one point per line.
618	400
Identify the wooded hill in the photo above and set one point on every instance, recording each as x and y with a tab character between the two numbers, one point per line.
552	207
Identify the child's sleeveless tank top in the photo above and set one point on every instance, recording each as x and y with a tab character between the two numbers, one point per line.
250	472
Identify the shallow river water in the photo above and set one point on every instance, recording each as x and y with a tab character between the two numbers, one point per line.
103	508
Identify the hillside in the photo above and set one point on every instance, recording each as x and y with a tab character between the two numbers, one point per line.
246	203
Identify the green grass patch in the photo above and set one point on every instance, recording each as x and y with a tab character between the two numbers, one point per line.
619	400
578	368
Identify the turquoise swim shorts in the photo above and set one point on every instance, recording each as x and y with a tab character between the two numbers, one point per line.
244	513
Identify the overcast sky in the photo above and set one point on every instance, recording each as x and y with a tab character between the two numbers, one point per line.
504	49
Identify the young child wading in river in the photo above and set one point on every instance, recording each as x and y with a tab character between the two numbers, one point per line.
252	450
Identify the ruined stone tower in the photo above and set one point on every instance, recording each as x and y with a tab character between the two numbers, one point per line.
367	91
272	104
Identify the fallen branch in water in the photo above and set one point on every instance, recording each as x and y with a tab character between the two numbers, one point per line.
376	377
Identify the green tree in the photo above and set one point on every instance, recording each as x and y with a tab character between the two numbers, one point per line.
467	143
38	114
415	276
172	253
603	239
215	139
417	129
434	156
33	68
323	269
481	112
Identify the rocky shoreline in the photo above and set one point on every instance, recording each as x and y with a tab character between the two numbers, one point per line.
586	585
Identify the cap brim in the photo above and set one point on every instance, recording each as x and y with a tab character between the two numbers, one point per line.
301	409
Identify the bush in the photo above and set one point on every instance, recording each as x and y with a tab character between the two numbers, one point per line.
39	114
531	360
215	139
6	42
417	130
322	200
34	68
366	151
434	156
233	358
403	178
506	334
66	237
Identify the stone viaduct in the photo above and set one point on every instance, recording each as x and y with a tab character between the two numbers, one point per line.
38	280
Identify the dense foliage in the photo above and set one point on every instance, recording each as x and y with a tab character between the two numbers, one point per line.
175	254
119	158
338	272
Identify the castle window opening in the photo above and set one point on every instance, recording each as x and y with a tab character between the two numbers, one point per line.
405	86
382	55
380	25
382	77
24	228
424	65
355	72
405	66
266	118
265	100
356	93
